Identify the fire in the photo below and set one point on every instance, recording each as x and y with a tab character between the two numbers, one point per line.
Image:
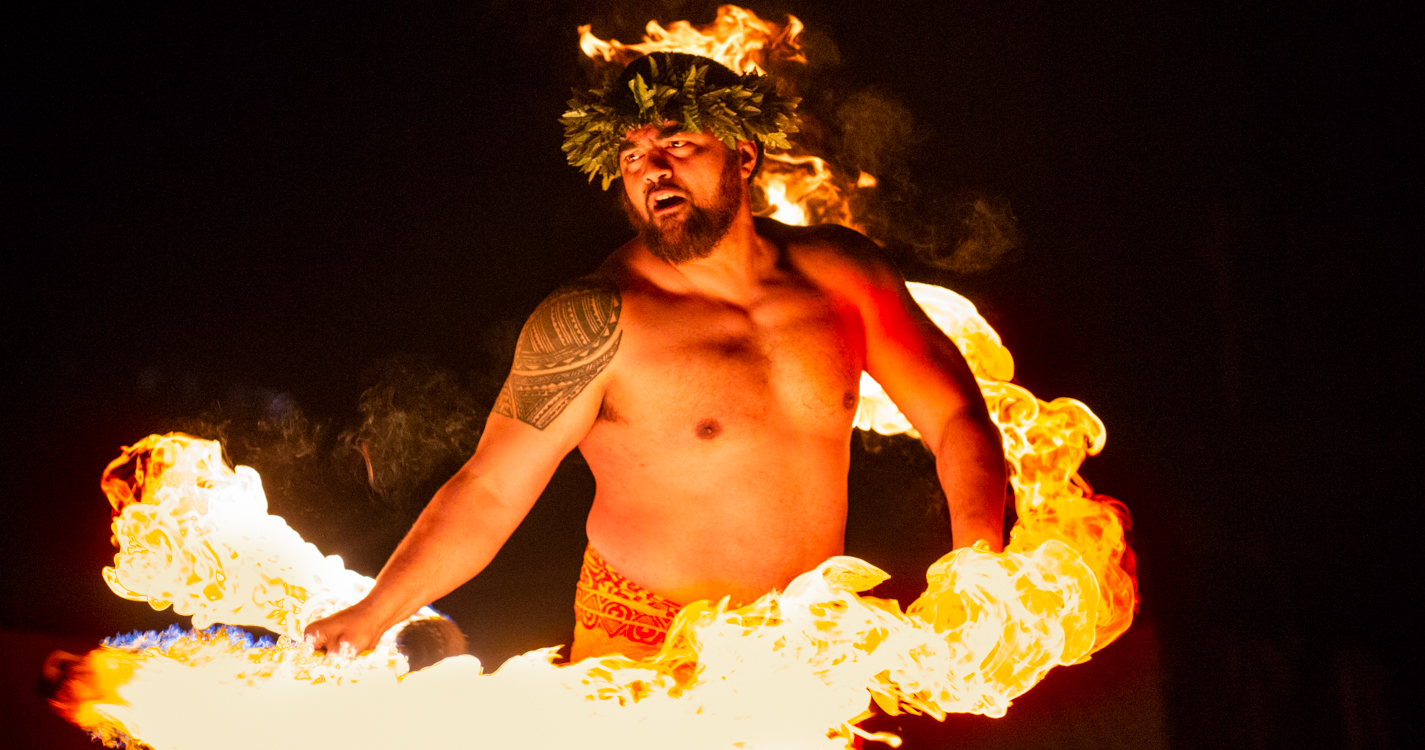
798	668
737	38
795	669
802	189
196	535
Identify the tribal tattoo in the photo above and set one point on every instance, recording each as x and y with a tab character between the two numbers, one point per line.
571	337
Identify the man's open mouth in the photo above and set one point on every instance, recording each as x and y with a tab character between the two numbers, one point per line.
667	201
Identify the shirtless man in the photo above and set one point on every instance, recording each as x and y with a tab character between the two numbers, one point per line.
708	372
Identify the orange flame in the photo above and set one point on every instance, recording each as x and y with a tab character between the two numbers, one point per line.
196	535
795	669
791	667
737	38
802	189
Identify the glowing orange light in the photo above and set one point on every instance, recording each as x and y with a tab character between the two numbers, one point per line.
794	669
781	672
802	189
737	38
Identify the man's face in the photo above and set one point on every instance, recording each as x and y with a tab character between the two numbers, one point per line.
681	190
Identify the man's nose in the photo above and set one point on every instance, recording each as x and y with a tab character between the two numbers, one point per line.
656	166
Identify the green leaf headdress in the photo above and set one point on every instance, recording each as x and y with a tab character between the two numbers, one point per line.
696	92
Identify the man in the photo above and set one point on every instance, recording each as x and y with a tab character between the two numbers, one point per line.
709	374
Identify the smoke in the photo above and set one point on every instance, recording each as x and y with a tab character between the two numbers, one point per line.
358	481
916	216
416	418
958	230
877	136
972	235
269	432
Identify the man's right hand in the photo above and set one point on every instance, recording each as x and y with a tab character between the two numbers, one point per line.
354	626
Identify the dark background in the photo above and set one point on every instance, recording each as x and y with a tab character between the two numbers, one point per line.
241	219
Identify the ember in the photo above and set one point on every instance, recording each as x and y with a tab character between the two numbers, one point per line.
797	668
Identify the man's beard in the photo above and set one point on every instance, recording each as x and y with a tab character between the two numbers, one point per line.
697	232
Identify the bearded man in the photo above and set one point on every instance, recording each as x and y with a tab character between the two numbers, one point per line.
708	372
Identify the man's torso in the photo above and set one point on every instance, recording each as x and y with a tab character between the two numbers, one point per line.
722	443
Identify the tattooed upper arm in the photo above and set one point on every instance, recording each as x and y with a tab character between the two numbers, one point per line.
571	337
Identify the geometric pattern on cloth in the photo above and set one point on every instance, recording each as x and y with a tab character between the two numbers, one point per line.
616	614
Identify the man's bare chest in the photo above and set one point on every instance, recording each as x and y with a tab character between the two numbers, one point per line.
792	363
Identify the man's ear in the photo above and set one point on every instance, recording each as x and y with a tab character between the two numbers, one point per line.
746	158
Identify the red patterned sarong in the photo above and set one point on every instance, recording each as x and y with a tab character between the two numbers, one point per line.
616	615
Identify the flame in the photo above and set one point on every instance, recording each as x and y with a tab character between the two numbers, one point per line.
737	38
196	535
802	189
795	669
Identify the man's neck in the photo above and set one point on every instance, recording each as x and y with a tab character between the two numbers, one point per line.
737	267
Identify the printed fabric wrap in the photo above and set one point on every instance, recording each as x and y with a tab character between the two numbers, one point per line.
616	615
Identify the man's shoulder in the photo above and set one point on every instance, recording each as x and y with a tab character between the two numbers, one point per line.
598	288
832	237
831	253
572	323
569	339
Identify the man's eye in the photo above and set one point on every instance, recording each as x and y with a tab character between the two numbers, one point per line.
630	158
677	144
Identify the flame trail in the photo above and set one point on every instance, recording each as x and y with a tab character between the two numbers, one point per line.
796	669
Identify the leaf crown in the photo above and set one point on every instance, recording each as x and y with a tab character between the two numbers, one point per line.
696	92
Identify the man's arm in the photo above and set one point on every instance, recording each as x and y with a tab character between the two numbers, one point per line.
547	405
928	379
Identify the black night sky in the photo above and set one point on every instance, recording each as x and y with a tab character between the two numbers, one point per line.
241	219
